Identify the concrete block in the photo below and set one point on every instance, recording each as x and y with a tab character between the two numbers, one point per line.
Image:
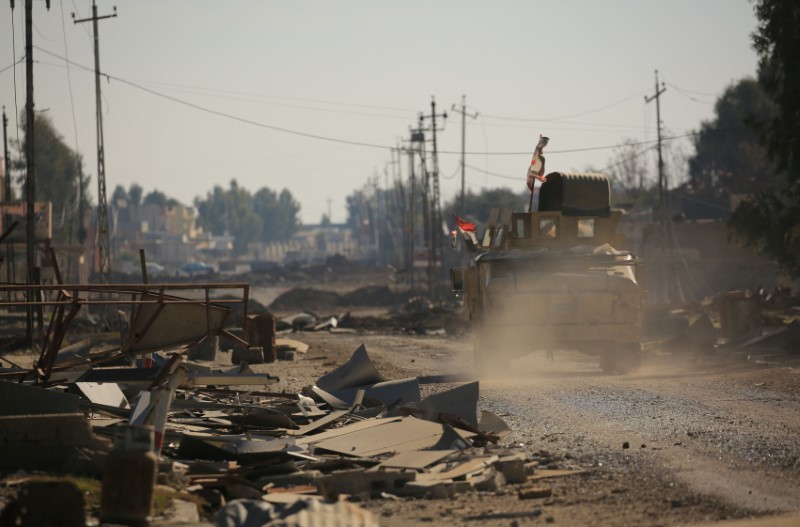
513	469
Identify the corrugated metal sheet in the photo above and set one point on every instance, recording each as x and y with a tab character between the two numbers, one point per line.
576	194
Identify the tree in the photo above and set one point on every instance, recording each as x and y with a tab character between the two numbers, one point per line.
230	212
135	194
155	197
777	42
728	156
628	170
58	176
768	221
119	194
279	214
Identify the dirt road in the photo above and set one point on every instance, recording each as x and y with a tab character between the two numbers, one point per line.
680	442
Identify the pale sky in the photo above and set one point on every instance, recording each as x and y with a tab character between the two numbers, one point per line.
361	71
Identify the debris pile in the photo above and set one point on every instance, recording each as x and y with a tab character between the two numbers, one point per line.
432	320
735	323
246	453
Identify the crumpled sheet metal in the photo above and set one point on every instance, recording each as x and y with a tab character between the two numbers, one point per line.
492	423
461	401
358	371
400	391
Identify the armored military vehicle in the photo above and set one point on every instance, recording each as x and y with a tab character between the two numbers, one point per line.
554	279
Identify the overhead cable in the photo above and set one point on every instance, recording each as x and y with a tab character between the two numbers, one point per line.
219	113
569	116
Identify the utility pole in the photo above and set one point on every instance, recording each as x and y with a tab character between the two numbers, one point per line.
7	179
662	184
7	200
102	206
412	200
30	176
436	248
464	114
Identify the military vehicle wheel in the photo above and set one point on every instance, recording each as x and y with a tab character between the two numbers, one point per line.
622	358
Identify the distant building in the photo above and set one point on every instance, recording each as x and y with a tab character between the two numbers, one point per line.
311	244
168	234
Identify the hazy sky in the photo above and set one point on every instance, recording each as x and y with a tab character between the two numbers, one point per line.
361	71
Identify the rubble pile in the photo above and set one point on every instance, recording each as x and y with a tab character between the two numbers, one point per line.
442	320
754	327
247	455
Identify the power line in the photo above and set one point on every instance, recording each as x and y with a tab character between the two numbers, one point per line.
495	174
589	127
185	88
691	91
628	158
12	65
335	139
686	94
546	119
72	105
227	115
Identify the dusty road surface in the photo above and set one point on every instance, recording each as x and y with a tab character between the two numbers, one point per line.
682	442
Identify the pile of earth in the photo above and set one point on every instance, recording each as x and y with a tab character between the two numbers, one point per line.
335	269
302	298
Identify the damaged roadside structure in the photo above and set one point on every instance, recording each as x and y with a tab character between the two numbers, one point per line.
554	279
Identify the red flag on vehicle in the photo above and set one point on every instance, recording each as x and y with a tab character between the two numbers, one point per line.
536	170
464	225
467	229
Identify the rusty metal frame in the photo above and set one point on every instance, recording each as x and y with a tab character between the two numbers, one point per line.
74	296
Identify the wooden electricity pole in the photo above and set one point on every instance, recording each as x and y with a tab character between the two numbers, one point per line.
666	227
10	264
464	114
30	175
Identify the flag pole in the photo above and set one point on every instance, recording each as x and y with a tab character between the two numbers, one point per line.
536	170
